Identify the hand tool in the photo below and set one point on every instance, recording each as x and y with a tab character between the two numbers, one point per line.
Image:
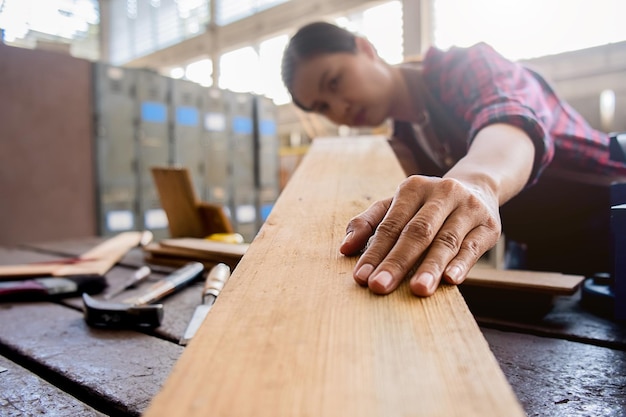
169	284
139	311
213	285
47	287
139	276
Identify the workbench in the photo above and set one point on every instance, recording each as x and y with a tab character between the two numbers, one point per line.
564	361
567	363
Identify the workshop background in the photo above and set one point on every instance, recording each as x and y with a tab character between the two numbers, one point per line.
94	93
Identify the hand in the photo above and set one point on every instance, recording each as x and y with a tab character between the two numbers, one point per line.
442	225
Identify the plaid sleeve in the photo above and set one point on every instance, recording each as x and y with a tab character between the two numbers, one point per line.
481	87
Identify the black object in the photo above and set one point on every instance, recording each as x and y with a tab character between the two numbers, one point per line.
605	293
139	311
617	146
597	295
120	315
51	287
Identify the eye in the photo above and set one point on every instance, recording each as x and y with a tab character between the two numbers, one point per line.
333	84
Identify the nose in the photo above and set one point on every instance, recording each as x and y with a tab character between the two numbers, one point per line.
339	110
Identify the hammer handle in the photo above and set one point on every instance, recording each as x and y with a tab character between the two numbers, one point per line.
171	283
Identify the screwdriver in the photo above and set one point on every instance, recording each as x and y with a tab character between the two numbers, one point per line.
140	275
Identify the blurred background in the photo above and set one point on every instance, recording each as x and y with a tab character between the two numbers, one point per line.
97	92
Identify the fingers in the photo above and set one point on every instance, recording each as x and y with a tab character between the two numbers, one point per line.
400	244
400	239
361	227
439	225
453	265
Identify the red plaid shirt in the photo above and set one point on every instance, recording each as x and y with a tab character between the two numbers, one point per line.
477	86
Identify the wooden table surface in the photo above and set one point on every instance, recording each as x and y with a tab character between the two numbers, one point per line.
567	362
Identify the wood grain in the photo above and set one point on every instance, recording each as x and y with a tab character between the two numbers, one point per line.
293	335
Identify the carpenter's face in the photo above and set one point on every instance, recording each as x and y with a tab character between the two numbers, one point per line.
353	89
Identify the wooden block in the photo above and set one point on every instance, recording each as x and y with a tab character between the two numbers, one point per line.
207	247
292	334
178	200
214	219
532	281
174	256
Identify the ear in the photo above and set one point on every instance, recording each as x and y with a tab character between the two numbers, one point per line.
364	46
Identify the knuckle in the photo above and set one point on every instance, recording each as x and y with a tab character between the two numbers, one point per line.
448	239
474	203
410	184
357	222
451	185
473	247
493	224
390	228
370	217
419	229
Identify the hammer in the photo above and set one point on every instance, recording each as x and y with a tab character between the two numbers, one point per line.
139	311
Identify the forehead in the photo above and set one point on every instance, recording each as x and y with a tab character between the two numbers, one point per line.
309	72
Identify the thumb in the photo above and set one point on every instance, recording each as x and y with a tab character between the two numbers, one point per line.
361	227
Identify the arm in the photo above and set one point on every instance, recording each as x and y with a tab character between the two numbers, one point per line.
442	224
500	157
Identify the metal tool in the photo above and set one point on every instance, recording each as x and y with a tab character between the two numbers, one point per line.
48	287
139	276
169	284
139	311
213	285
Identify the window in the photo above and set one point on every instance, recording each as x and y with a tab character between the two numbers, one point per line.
240	70
140	27
200	72
382	25
73	22
529	28
228	11
271	55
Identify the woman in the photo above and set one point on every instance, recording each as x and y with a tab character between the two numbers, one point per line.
473	131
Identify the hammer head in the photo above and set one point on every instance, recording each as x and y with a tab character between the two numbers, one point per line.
120	315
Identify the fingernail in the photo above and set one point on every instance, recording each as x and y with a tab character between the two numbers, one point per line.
383	278
427	280
364	272
454	273
347	238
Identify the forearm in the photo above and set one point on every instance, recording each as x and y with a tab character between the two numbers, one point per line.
500	160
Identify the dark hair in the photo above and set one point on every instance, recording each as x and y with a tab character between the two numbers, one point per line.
310	40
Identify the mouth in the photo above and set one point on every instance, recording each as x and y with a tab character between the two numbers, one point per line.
359	118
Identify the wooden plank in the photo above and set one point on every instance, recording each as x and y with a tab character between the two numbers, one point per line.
293	335
97	260
532	281
207	247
